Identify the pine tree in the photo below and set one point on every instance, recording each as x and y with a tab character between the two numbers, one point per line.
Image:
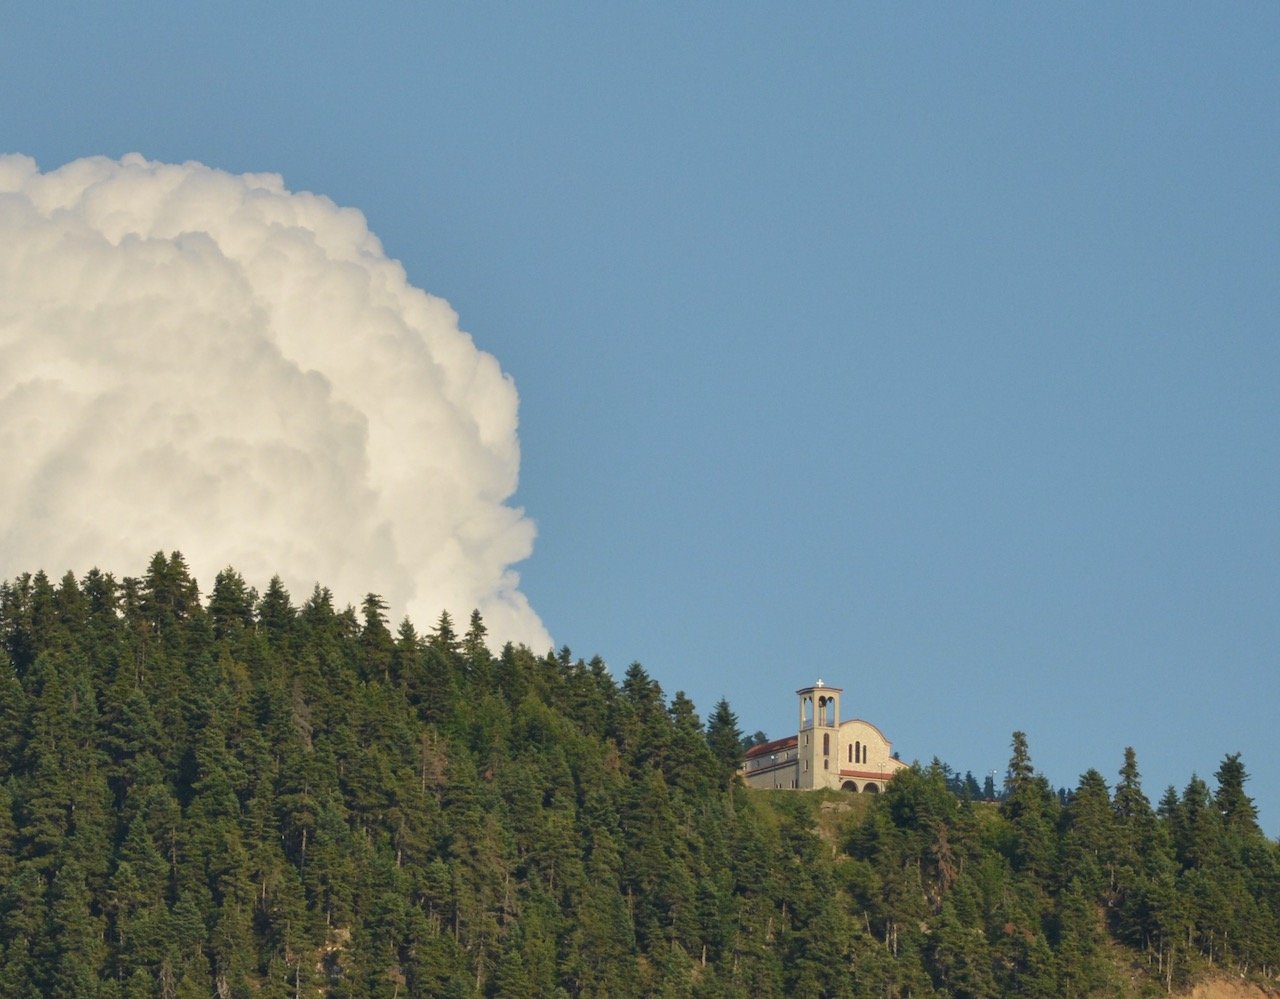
1089	837
231	604
1236	808
13	715
725	739
475	651
1028	805
376	645
276	615
443	637
78	954
1135	821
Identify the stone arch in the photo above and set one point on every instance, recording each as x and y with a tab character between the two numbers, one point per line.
871	788
849	786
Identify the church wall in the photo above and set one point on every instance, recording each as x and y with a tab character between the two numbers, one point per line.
778	767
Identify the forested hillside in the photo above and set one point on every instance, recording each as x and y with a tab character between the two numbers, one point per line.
244	796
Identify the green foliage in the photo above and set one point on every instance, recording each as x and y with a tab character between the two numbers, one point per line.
724	739
243	798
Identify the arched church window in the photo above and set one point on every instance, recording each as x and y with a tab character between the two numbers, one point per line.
857	752
826	743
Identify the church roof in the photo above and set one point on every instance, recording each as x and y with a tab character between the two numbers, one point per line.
771	747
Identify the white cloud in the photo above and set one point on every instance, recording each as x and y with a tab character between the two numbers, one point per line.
199	361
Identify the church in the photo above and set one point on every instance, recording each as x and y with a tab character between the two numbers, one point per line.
851	755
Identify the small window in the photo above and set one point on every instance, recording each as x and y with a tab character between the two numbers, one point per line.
850	754
826	743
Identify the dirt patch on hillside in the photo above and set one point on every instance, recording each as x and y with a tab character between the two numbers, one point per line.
1227	988
836	816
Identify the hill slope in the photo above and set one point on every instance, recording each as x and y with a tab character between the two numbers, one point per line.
242	797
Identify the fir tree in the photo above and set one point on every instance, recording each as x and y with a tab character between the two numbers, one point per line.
725	739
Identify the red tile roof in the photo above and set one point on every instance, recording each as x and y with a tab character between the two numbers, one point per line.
771	747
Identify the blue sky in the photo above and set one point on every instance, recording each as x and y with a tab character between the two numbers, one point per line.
930	351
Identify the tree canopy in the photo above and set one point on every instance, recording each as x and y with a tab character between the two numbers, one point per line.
244	797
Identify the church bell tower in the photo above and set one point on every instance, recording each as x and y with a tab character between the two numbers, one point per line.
818	742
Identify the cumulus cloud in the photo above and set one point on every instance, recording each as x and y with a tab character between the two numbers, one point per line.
206	362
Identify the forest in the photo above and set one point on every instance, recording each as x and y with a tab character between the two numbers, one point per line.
241	794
